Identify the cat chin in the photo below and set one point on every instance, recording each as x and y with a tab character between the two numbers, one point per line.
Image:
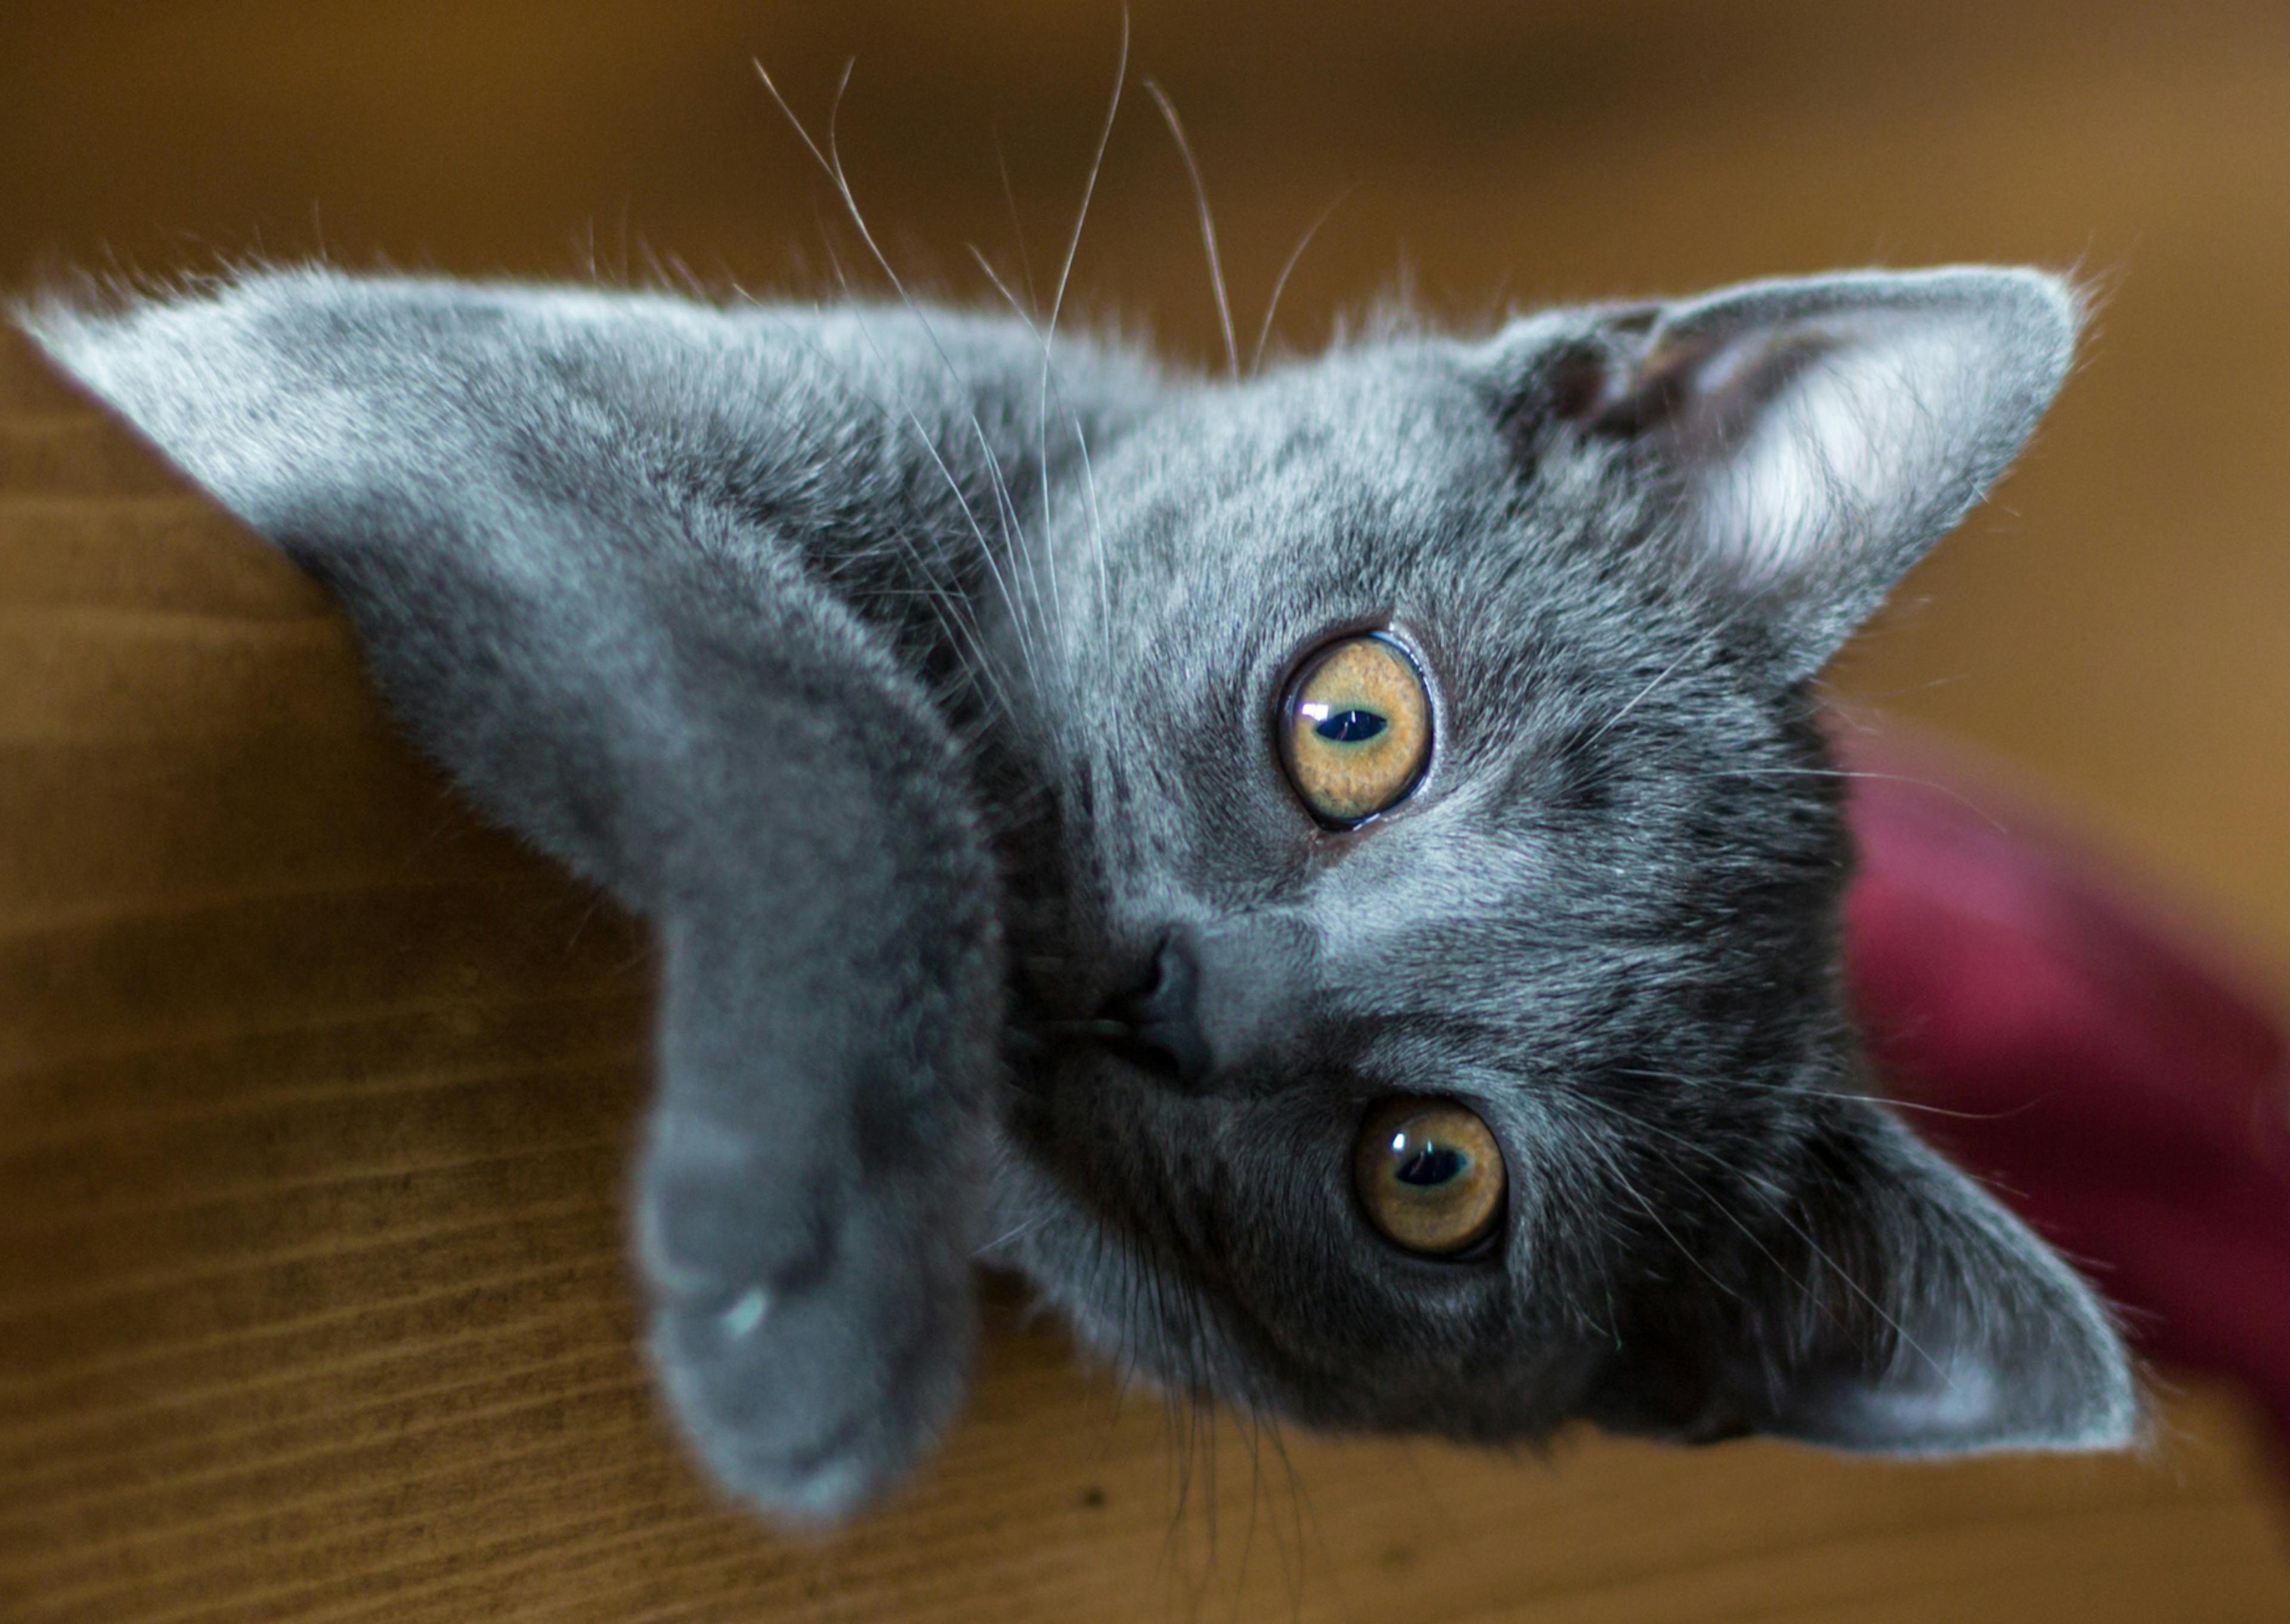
1122	1305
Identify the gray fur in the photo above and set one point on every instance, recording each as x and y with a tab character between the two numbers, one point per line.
919	685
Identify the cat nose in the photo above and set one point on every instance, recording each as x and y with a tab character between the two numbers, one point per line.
1162	1016
1220	998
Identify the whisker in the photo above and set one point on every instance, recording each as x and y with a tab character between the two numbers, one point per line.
830	162
1018	1232
1056	593
1961	799
1661	676
1017	227
1615	1170
965	641
1301	1512
1013	531
1096	530
1081	442
1280	283
1777	1209
970	631
1057	308
978	257
1811	1092
1208	222
1089	187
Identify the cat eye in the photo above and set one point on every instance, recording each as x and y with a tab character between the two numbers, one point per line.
1355	729
1429	1175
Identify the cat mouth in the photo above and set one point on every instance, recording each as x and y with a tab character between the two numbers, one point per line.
1041	1036
1042	1043
1170	1052
1150	1025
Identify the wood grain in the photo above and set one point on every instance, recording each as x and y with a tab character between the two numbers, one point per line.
315	1096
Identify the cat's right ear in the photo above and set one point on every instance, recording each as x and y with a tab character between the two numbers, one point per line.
1803	441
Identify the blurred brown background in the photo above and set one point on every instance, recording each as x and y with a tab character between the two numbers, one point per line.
244	1370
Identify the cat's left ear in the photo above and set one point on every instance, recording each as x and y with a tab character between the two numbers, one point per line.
1895	1308
1811	438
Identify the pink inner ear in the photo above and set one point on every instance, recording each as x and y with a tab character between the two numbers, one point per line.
2121	1091
1824	437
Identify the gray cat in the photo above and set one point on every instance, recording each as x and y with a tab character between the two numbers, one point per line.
1334	877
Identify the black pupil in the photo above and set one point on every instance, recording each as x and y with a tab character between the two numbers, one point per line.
1432	1164
1350	727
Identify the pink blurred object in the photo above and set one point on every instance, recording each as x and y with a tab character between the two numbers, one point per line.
2125	1095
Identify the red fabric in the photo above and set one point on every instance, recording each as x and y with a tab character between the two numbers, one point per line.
2129	1100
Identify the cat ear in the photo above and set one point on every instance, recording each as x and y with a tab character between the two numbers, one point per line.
1813	437
1898	1310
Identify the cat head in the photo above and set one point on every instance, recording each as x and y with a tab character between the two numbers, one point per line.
1432	927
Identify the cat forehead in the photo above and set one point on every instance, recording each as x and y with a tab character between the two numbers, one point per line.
1259	520
1315	497
1380	413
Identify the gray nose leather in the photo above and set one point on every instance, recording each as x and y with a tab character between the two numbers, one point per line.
1217	995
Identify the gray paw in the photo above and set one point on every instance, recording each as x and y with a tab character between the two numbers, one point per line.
811	1324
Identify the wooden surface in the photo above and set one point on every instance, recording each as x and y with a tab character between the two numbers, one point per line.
314	1098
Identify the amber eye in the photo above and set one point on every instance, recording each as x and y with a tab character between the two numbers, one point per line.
1355	729
1430	1175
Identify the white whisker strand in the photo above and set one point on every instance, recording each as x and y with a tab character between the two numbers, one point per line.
966	640
1280	283
1779	1211
1962	800
1096	531
1692	649
830	162
1017	227
1610	1158
1208	221
1809	1092
955	613
1014	534
1058	305
1053	379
